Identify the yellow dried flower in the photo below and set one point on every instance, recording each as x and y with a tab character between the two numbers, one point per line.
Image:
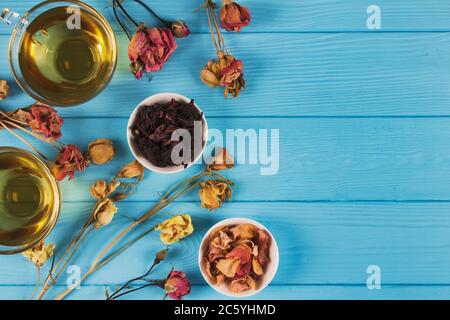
223	160
101	189
132	170
4	89
105	213
40	253
213	193
176	228
101	151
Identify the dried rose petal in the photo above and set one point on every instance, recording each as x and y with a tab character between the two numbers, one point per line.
228	267
244	231
264	242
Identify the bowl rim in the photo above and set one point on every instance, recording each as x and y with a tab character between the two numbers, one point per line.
165	96
274	250
56	189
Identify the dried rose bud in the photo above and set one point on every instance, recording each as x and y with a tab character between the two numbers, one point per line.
98	190
180	29
45	120
132	170
101	151
68	160
223	160
149	49
234	16
4	89
213	192
226	72
105	213
177	285
101	189
176	228
40	253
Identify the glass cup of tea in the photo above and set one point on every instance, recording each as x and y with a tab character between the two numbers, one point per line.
30	200
62	53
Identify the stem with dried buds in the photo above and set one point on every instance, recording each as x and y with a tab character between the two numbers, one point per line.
82	235
214	26
174	193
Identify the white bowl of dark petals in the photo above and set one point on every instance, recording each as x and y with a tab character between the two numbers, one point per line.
167	133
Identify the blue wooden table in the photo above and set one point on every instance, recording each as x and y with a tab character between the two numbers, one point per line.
364	120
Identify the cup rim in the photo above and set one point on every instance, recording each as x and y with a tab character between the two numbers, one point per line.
56	189
23	84
159	97
275	258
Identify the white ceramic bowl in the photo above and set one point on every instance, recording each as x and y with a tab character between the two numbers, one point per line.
271	269
161	98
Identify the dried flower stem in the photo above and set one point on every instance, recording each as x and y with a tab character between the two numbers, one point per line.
175	192
118	292
38	280
23	140
214	26
86	230
7	116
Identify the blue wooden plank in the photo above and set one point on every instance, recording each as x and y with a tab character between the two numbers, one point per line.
319	75
319	159
320	244
292	15
341	292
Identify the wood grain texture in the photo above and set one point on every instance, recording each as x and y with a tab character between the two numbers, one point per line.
320	159
320	244
291	15
204	292
291	75
364	123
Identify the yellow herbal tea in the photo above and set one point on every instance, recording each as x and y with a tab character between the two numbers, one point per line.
29	198
65	65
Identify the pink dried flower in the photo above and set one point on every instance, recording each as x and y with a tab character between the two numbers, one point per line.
180	29
69	160
234	16
46	121
177	285
149	49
